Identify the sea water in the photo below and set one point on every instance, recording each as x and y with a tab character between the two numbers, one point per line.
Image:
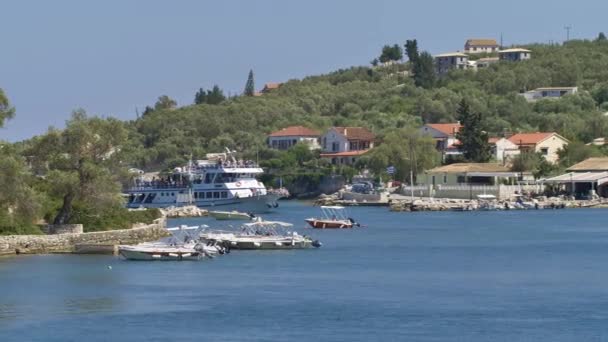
429	276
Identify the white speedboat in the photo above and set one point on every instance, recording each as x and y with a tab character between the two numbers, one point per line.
183	244
262	235
230	215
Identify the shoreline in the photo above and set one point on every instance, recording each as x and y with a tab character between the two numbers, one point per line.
103	242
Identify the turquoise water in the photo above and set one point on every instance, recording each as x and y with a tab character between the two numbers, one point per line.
473	276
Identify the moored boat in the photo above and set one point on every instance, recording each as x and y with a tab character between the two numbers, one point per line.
262	235
333	217
220	180
183	244
230	215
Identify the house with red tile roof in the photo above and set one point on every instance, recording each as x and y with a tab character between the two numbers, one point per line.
344	145
547	143
444	135
289	136
268	87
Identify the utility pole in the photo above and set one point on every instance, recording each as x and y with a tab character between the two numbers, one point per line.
501	45
567	28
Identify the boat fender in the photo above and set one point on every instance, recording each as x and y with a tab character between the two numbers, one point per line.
275	205
317	244
238	184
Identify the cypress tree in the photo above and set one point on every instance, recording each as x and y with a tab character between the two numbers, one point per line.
473	139
250	86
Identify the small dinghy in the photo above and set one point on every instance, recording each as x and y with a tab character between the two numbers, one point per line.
184	244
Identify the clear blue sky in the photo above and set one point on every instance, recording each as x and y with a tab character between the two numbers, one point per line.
113	56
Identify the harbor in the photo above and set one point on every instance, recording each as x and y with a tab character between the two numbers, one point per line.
523	267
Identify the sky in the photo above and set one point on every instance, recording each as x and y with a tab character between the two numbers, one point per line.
114	57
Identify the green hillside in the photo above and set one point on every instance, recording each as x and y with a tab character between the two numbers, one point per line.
73	175
384	99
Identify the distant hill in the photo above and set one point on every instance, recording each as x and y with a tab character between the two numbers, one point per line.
383	98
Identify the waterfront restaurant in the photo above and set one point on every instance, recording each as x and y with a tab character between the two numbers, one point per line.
584	179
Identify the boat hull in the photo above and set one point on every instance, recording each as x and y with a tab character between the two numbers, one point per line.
328	224
130	254
229	215
270	245
257	204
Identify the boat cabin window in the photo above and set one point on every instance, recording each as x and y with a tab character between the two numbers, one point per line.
216	194
224	194
196	195
208	178
209	194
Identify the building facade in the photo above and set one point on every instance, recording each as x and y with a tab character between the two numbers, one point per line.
514	55
546	143
548	93
290	136
448	61
480	46
344	145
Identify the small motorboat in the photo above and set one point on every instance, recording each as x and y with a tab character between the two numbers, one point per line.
231	215
184	244
333	217
262	235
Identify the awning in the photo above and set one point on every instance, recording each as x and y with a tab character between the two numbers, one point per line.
579	177
493	174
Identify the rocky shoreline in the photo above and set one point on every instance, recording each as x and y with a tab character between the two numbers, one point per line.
426	204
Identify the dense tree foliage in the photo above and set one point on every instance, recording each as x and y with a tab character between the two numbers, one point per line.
473	138
165	102
391	53
6	111
81	163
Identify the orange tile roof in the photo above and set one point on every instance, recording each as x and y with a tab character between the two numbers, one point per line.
345	154
446	128
270	86
295	131
355	133
530	138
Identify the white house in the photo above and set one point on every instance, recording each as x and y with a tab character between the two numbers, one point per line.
289	136
444	135
547	143
480	46
548	93
485	62
503	149
343	145
514	55
448	61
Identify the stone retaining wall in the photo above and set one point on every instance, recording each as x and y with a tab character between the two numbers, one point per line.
66	243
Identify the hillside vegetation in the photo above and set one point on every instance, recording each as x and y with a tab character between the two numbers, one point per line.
384	99
74	175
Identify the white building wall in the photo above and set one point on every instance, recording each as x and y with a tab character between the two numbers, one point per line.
549	148
333	139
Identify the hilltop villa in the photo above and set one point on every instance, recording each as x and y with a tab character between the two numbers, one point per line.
514	55
480	46
289	136
548	93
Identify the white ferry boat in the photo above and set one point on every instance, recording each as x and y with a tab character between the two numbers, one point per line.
219	180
